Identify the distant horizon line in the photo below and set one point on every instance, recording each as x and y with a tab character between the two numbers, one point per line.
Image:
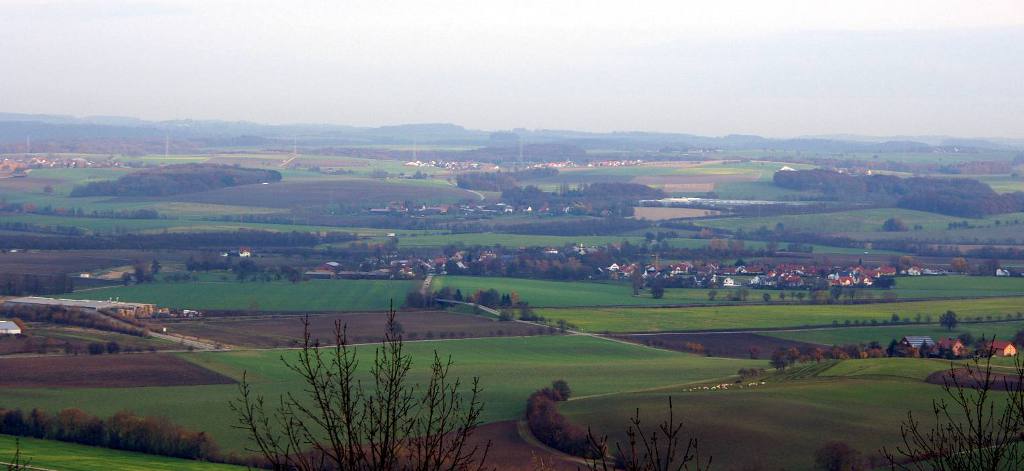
830	136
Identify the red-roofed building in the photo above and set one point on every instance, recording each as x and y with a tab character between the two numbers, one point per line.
954	346
1002	348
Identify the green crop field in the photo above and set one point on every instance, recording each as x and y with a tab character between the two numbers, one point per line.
779	425
121	226
544	293
882	335
636	319
313	295
72	457
861	220
509	368
509	240
958	286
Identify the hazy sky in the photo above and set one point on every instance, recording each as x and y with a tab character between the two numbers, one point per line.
777	68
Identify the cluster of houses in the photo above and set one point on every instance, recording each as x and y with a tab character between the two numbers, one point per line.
928	347
395	269
781	276
446	164
490	209
18	165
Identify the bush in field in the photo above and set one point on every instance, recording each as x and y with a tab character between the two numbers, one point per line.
838	456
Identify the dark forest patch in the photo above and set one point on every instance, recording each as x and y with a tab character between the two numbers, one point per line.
176	180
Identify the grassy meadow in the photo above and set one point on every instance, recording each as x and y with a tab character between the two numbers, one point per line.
861	402
551	294
883	334
509	369
52	454
312	295
653	319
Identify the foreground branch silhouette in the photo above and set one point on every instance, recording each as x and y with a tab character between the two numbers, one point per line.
337	423
661	449
976	427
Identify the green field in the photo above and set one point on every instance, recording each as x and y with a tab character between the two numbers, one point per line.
861	220
543	293
780	424
510	369
632	319
509	240
958	286
120	226
313	295
882	335
72	457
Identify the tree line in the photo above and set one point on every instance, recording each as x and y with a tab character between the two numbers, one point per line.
169	240
500	181
177	179
123	431
951	196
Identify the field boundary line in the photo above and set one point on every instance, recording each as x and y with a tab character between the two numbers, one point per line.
656	388
28	466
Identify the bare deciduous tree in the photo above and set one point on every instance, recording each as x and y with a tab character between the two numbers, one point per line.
661	449
336	422
976	427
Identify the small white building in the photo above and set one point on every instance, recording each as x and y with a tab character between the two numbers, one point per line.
9	328
728	282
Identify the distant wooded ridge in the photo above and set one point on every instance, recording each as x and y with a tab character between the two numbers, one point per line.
951	196
176	180
52	133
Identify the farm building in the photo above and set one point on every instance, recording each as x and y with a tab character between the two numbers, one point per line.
918	342
955	346
9	328
1002	348
117	308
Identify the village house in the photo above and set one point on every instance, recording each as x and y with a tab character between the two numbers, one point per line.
954	346
1001	348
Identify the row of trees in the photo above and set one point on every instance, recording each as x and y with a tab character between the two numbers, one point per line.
123	431
176	180
952	196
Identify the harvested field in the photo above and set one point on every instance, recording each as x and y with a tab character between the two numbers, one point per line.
514	454
286	330
320	193
709	178
43	338
972	377
67	261
661	214
105	371
736	345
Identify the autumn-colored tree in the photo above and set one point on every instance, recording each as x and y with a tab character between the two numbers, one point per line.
959	265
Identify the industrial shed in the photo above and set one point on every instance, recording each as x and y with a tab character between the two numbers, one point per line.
9	328
116	308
